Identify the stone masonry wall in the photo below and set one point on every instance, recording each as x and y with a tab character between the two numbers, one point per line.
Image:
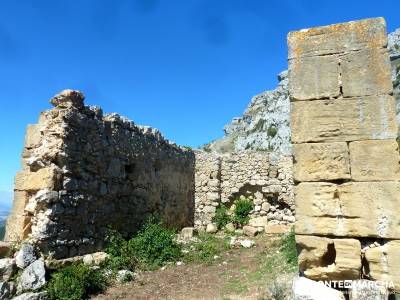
259	176
346	158
83	173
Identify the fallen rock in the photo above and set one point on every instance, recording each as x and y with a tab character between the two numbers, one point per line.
230	227
367	290
5	248
124	276
247	243
211	228
7	268
7	289
250	230
277	229
307	289
94	258
188	232
33	277
259	221
25	256
68	98
32	296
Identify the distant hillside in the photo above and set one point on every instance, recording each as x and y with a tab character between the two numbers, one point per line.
265	123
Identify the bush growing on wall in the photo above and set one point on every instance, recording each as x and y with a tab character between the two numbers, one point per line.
243	207
221	217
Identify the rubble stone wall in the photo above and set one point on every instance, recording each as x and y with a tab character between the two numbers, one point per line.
346	158
84	173
262	177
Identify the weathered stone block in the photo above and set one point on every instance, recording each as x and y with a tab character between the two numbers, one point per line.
372	69
17	220
277	229
329	259
367	290
384	263
32	136
45	178
354	209
344	120
314	78
321	161
375	160
338	38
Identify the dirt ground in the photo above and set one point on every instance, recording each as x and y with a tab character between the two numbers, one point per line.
237	274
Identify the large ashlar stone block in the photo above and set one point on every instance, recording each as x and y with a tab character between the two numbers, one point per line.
372	71
384	263
45	178
17	220
321	161
329	259
314	78
32	136
338	38
375	160
354	209
361	118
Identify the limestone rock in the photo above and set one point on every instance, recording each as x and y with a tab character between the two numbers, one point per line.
188	232
321	161
372	69
25	255
306	289
277	229
7	289
338	38
329	259
45	178
363	118
32	136
384	263
362	209
230	227
33	277
124	276
5	248
7	268
259	221
246	243
250	231
95	258
314	77
68	98
32	296
375	160
211	228
367	290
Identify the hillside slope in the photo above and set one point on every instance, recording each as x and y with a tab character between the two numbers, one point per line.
265	123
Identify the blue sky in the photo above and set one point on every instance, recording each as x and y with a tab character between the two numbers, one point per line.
186	67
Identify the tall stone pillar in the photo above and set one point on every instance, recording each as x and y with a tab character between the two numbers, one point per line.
346	158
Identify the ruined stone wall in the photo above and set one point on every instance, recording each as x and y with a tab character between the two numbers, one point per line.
347	163
84	173
262	177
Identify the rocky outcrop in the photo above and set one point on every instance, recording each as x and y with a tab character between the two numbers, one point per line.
346	158
84	173
265	122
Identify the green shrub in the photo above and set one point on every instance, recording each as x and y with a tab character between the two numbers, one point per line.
242	209
221	217
289	249
121	255
154	244
75	282
272	131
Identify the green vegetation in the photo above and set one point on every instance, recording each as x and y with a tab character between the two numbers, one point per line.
75	282
151	247
241	212
272	131
208	247
289	250
221	217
